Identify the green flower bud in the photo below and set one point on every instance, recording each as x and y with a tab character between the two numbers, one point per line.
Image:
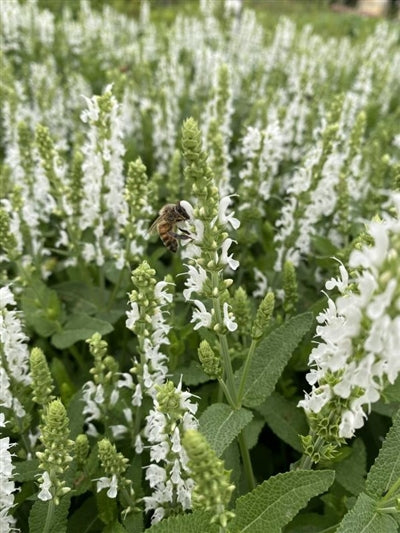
42	381
81	449
213	489
7	240
169	400
263	316
209	361
113	462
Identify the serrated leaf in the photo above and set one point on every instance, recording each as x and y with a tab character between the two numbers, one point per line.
365	518
285	419
38	516
271	357
350	472
26	470
221	424
274	503
79	328
386	469
199	521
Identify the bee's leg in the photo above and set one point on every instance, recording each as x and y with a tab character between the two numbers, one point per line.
179	235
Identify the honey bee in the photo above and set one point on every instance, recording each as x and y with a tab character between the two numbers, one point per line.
166	223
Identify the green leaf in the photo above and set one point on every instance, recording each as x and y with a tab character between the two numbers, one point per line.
350	472
285	419
133	522
274	503
42	309
386	469
220	424
85	518
252	432
38	516
271	357
199	521
115	527
26	470
106	507
365	518
79	328
193	374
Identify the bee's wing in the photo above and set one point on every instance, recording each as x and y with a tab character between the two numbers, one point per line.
154	225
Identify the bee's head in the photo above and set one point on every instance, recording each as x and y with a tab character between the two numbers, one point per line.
182	211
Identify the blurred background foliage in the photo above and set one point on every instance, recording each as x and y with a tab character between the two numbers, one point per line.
319	13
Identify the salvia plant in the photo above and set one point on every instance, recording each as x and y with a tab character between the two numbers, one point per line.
199	272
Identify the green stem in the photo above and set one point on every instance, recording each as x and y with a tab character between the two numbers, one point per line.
391	493
78	357
231	394
246	370
306	462
248	469
228	396
49	517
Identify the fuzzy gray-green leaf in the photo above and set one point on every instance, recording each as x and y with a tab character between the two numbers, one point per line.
221	424
386	469
364	517
285	419
271	357
274	503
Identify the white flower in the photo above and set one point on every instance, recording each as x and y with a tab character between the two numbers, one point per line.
133	315
7	486
229	319
201	317
155	474
195	281
223	217
162	295
224	258
341	283
45	486
110	483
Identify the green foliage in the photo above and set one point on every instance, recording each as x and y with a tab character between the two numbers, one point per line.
285	419
377	509
220	424
271	357
274	503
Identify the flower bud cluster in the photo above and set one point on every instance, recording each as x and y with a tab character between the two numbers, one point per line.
208	252
55	458
114	465
102	393
213	489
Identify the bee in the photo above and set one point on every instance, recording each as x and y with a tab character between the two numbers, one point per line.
166	223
